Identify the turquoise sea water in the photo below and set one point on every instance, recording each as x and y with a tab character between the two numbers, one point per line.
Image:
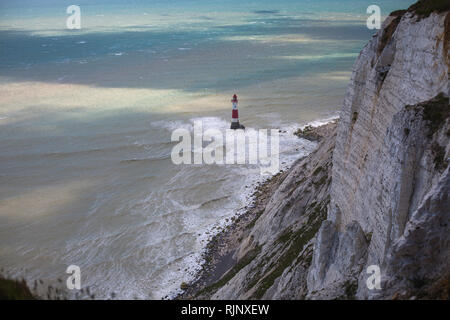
86	117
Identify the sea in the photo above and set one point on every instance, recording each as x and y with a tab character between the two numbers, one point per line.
87	116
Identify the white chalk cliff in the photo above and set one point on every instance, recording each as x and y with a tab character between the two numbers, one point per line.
375	192
388	182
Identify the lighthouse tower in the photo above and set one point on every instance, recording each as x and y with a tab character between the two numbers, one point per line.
235	115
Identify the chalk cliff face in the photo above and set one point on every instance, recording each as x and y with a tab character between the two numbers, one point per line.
374	193
388	183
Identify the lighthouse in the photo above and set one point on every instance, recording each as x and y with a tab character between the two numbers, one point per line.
235	115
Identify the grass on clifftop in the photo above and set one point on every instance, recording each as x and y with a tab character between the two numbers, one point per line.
424	8
14	290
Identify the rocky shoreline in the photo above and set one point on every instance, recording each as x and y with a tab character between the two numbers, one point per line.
220	264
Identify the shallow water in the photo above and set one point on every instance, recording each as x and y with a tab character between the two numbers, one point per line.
86	119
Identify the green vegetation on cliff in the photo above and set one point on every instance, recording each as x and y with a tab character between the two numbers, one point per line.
14	290
424	8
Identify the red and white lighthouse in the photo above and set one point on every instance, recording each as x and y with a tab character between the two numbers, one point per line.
235	115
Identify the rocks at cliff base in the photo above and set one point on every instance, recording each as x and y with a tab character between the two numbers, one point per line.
315	133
